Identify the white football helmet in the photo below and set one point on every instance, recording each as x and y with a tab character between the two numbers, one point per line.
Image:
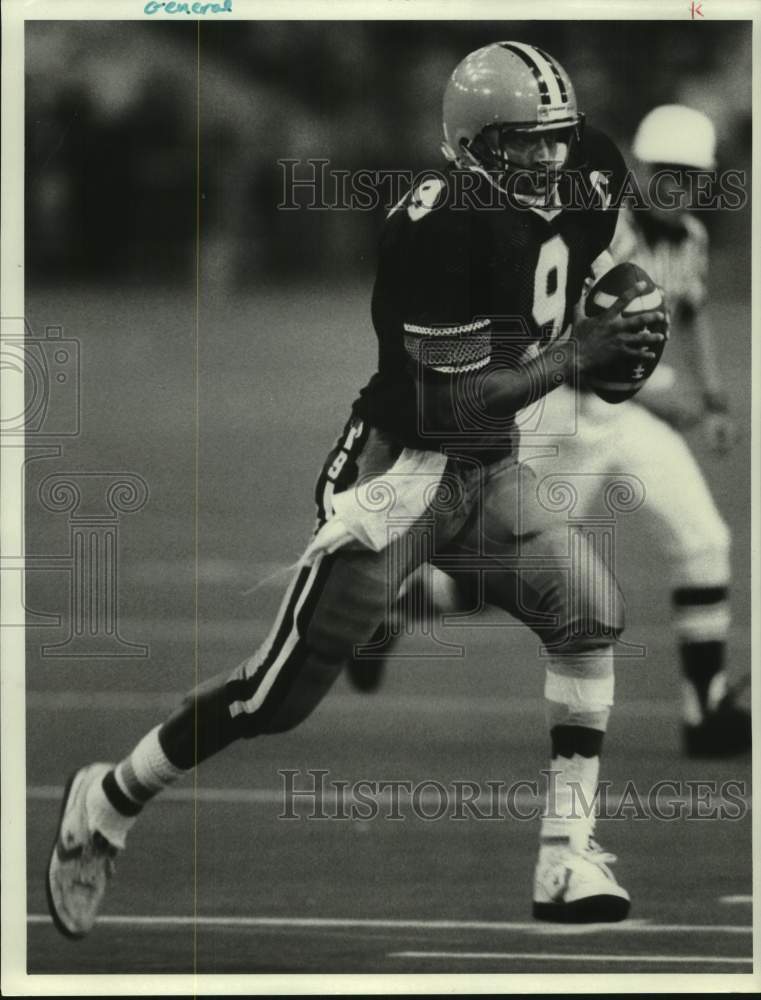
675	134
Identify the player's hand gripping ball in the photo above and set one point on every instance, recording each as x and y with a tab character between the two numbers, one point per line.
624	373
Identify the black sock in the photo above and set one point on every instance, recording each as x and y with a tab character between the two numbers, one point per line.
117	798
568	740
701	662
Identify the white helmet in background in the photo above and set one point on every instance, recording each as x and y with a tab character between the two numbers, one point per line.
673	133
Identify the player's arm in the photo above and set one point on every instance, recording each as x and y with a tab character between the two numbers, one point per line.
711	383
603	263
717	423
599	267
462	362
499	395
501	390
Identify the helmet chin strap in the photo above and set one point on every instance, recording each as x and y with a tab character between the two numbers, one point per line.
468	161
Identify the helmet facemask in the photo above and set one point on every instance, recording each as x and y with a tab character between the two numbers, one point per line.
490	152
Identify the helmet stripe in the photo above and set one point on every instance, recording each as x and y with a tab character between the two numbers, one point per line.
548	72
544	92
543	71
555	70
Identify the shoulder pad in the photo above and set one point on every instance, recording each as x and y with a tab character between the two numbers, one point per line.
599	152
426	220
428	196
425	197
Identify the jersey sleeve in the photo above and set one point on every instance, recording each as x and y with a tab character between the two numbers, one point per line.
624	244
435	293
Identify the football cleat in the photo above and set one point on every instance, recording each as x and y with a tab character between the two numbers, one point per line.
81	862
578	887
724	731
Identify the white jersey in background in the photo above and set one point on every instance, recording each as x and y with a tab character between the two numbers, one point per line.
628	439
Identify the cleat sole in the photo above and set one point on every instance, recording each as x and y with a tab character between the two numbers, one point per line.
592	910
59	924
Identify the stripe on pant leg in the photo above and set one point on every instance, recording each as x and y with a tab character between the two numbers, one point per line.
255	689
247	694
302	617
291	668
282	623
244	681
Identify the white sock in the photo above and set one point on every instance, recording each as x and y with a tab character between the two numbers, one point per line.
569	815
104	818
139	777
147	770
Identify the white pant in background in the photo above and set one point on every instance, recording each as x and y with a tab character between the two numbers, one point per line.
627	439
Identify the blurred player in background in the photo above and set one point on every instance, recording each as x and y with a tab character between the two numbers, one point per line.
642	437
468	305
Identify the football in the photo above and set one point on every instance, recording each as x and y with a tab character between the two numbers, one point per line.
622	378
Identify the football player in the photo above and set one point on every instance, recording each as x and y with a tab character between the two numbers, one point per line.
473	311
642	437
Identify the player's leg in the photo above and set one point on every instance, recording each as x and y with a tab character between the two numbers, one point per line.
563	423
366	673
424	596
572	879
329	607
576	436
629	439
698	546
569	599
565	430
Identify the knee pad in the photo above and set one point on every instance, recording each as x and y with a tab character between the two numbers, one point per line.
579	688
590	613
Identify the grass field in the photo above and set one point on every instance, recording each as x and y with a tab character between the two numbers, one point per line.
213	880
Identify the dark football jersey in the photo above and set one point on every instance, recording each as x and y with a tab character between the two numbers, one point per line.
463	285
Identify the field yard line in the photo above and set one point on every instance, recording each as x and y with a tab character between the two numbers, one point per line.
120	701
169	921
252	628
302	799
736	900
541	929
541	956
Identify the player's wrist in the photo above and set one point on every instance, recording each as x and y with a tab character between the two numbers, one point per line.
560	364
